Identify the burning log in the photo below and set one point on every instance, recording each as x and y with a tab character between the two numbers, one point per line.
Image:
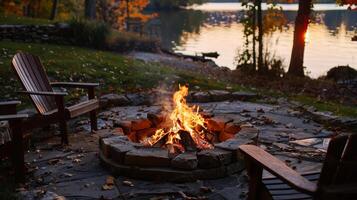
187	129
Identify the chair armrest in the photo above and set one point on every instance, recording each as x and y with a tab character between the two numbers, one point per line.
9	103
74	84
44	93
13	117
278	168
8	107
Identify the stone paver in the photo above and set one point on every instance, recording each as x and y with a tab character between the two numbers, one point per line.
76	172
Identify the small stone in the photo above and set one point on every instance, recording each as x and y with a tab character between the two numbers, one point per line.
104	143
151	157
114	100
307	142
243	96
233	144
118	151
219	95
187	160
140	124
212	158
247	133
281	146
289	125
201	97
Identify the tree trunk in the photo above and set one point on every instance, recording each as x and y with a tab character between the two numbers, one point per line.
254	36
90	9
261	66
54	9
296	67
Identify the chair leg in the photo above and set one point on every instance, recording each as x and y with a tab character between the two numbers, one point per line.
255	173
64	131
18	151
92	114
93	120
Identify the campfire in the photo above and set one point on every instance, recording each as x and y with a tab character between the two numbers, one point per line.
176	142
187	128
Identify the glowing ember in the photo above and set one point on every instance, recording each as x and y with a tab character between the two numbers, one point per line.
184	119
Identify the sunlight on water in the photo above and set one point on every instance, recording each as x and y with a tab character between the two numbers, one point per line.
323	51
328	41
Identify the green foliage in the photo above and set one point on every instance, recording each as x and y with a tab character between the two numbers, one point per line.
17	20
127	41
89	33
245	57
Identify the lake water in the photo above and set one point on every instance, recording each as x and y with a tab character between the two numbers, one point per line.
216	27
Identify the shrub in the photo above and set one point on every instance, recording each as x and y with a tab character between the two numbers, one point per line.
126	41
341	73
89	33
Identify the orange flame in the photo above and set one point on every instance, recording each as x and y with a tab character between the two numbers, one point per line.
184	118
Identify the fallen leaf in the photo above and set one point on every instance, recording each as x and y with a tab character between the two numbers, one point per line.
110	180
60	198
109	183
67	174
128	183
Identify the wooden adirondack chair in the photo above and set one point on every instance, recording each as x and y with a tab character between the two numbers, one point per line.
50	104
338	178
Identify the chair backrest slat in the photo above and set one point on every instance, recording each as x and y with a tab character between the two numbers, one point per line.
41	79
341	159
33	77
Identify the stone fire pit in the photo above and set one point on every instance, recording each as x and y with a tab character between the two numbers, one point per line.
124	155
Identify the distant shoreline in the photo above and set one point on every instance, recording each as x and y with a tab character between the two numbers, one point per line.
236	6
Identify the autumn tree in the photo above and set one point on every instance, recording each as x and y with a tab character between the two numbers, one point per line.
90	9
117	12
54	9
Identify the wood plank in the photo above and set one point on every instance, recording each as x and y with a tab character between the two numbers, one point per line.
82	108
17	64
74	84
333	156
45	81
32	76
292	197
313	177
39	80
278	168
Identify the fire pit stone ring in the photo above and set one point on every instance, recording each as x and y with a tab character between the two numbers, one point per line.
131	159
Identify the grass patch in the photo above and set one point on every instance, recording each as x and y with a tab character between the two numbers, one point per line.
336	108
113	71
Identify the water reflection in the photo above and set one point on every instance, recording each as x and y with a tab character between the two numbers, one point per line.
195	31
